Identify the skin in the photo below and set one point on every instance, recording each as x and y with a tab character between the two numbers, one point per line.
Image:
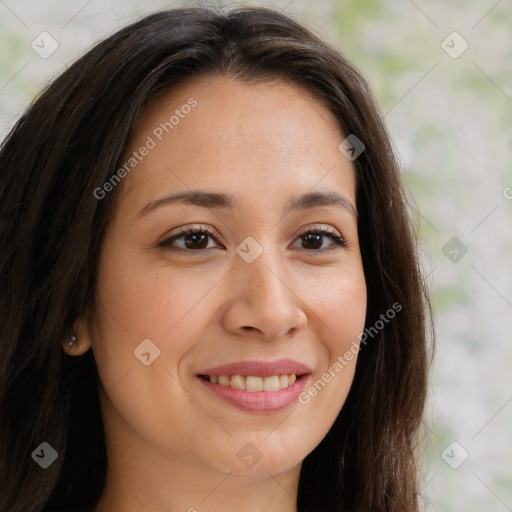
172	445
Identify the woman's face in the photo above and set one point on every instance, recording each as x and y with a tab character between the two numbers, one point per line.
248	287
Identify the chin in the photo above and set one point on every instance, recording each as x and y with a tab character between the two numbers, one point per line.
259	459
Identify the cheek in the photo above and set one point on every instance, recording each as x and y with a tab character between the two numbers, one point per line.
148	300
340	311
339	303
136	303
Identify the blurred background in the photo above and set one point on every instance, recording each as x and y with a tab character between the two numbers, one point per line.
442	75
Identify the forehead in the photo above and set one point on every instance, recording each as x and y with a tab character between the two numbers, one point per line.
228	134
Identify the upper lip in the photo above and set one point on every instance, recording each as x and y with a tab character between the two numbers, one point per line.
259	368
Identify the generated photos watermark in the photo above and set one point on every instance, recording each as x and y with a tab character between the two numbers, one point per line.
158	133
344	359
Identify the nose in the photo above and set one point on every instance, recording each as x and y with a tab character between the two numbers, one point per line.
263	297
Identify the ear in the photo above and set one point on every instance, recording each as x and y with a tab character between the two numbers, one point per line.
82	332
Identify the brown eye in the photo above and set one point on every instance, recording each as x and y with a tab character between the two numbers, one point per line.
195	240
313	239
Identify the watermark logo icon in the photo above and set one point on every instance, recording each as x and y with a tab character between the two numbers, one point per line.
351	147
249	249
44	45
45	455
454	455
249	455
454	249
454	45
147	352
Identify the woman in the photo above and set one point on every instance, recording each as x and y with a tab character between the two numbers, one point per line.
210	292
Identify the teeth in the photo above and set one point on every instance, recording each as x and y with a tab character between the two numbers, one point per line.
252	383
224	381
237	382
271	383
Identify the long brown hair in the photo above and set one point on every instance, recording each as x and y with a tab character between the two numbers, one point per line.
71	140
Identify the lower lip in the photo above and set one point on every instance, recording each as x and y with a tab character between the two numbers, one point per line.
258	401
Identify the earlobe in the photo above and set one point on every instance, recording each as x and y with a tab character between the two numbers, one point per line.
72	339
79	341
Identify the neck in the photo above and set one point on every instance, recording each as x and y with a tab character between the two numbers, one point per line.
141	488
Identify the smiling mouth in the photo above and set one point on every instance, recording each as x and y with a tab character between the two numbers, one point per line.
254	383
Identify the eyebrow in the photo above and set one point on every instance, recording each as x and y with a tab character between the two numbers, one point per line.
219	200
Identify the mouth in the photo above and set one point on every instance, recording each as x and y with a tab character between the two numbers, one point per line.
256	386
254	383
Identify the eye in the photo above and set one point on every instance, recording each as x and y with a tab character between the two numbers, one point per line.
194	240
315	237
193	237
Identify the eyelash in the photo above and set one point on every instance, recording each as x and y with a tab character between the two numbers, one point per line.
340	241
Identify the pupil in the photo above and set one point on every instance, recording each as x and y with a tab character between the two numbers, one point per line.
317	238
195	237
